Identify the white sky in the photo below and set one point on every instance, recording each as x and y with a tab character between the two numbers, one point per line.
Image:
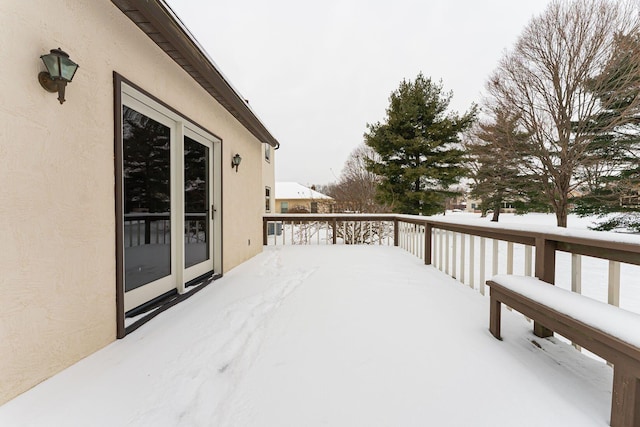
317	73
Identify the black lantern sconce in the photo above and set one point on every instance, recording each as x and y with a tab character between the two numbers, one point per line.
60	71
235	161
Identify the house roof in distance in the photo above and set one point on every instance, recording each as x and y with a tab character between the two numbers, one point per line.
295	191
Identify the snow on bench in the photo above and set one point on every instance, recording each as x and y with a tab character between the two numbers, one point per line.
608	331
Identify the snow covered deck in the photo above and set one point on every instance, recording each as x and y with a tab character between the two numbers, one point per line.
326	335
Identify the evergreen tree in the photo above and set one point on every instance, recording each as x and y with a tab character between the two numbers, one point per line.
419	148
145	164
496	168
612	173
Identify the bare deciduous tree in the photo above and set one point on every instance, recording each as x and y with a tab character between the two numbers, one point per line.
552	79
355	191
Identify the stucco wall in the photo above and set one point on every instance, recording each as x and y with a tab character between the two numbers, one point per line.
243	200
57	220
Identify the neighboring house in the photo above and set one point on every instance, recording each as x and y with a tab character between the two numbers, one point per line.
123	199
472	204
292	197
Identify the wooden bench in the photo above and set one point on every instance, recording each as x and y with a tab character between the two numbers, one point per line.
608	331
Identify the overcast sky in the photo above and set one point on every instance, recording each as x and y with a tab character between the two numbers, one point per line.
317	72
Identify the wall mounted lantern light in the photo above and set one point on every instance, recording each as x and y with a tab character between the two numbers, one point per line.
60	71
235	161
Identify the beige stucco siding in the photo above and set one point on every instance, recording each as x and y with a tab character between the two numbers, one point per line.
57	212
243	202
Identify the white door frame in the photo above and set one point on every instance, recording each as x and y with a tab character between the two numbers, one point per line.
179	127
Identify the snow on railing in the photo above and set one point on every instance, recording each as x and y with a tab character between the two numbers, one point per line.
316	229
472	253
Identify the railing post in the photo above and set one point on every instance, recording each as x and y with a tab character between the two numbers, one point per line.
395	232
483	251
334	237
545	260
147	231
264	232
545	271
576	279
427	243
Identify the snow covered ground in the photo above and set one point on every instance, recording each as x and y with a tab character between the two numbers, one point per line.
326	336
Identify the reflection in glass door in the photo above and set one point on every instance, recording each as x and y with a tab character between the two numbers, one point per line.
169	234
147	199
197	202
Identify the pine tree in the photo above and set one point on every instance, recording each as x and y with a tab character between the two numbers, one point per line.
145	164
496	168
612	174
419	148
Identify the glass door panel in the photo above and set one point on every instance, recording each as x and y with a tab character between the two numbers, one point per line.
197	235
169	233
147	199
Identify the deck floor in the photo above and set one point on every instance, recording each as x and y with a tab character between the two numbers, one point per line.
326	336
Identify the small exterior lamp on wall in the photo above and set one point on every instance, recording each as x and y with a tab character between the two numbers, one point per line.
60	71
235	161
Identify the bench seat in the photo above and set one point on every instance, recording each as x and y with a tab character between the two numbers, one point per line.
608	331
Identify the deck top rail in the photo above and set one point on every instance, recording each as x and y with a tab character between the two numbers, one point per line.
611	246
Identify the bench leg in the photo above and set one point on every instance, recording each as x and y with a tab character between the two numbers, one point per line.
541	331
494	317
625	399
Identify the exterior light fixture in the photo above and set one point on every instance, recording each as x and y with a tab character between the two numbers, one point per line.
60	71
235	161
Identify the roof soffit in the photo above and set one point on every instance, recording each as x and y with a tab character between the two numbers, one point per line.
159	23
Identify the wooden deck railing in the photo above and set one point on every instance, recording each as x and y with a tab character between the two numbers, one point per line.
155	228
466	251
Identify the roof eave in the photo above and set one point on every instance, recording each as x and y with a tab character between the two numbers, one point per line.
156	19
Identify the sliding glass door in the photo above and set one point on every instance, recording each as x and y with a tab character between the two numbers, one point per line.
198	214
146	172
168	199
